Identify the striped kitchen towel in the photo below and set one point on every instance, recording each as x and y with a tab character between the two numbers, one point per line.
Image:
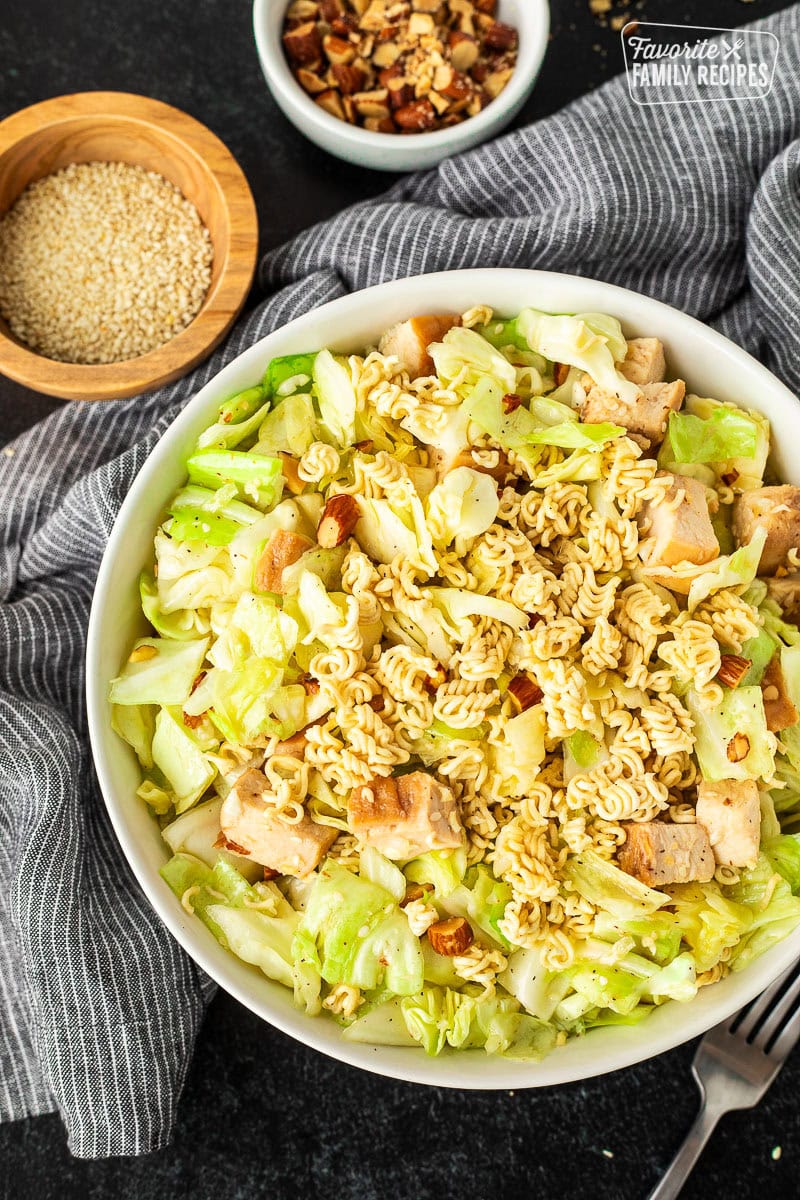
697	205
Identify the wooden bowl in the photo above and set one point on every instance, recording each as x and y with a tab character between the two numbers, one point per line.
119	127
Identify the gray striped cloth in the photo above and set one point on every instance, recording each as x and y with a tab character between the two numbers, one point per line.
696	205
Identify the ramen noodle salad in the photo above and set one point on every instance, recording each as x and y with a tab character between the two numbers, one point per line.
470	707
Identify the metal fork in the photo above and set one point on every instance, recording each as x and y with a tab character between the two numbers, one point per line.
734	1065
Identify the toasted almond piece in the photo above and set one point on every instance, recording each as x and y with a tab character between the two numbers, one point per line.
442	77
440	103
310	82
331	9
289	467
511	402
373	17
310	685
337	50
331	102
192	720
416	117
524	691
386	55
401	93
350	114
344	26
488	7
303	44
142	654
416	891
463	50
497	81
349	79
732	669
426	6
372	104
303	10
451	937
738	748
778	706
464	12
421	25
339	518
376	125
282	549
499	36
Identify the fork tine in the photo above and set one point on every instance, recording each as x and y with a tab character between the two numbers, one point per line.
778	1016
745	1021
786	1040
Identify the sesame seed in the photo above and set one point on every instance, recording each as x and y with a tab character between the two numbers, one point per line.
102	262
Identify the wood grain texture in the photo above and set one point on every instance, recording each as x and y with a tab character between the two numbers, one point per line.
120	127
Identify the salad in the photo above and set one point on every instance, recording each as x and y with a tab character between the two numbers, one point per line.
470	707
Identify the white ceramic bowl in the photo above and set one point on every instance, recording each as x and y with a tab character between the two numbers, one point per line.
711	364
400	152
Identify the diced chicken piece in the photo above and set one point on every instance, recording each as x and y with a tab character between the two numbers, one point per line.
253	825
283	548
778	707
406	816
658	853
645	418
785	591
409	341
730	812
644	362
442	461
681	531
776	509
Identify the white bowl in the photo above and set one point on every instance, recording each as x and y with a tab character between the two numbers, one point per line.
391	151
711	364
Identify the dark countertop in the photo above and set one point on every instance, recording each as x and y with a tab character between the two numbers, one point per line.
261	1114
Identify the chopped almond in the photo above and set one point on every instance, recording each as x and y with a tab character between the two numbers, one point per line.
303	44
732	669
293	747
282	549
289	467
524	691
451	937
416	891
339	518
511	401
738	748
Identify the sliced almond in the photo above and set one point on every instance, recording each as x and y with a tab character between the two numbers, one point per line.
738	748
524	691
339	518
451	937
440	103
292	480
732	669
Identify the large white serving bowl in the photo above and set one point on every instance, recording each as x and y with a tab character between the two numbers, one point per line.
394	151
711	365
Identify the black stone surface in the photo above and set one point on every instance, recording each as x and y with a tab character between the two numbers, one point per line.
262	1115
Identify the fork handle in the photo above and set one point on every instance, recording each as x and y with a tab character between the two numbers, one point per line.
680	1168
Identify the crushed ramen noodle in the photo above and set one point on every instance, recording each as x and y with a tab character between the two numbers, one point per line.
470	704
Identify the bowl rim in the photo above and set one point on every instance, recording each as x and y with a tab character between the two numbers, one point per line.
266	27
413	1066
224	301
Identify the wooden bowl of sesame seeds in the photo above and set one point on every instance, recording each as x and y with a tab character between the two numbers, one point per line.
169	150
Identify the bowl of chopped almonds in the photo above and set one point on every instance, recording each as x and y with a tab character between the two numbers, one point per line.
398	85
128	242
